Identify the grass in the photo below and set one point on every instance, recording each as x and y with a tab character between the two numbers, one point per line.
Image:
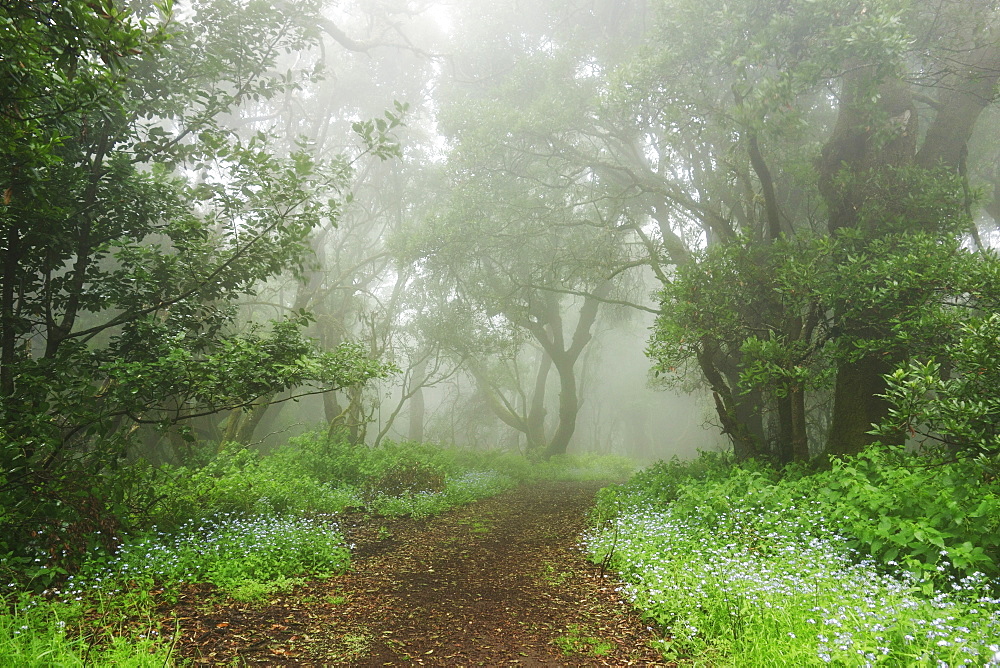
575	642
258	591
553	575
46	634
477	526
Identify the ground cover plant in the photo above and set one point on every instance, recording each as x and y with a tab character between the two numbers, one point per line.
251	525
749	566
52	635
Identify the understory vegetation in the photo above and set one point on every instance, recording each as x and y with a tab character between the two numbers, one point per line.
251	525
888	558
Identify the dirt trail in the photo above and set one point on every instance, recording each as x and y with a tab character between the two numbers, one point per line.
497	583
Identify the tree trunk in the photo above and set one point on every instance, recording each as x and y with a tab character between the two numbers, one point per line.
8	329
569	407
855	148
857	406
548	331
858	147
786	432
740	413
800	435
535	421
331	407
417	409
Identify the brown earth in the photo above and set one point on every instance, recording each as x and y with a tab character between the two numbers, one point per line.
501	582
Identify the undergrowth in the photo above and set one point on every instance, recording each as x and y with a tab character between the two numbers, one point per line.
880	560
249	524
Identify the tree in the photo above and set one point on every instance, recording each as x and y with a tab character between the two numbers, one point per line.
510	254
372	56
740	147
881	181
119	272
521	247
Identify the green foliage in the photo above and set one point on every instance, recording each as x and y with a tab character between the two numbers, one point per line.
821	302
241	481
404	479
253	526
457	490
789	295
226	550
315	474
662	482
952	401
732	291
256	591
324	457
42	634
400	455
913	511
851	565
120	270
377	133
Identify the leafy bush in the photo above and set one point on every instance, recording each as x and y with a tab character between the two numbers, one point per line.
891	505
458	490
325	457
241	481
392	455
956	409
904	508
779	587
662	481
320	474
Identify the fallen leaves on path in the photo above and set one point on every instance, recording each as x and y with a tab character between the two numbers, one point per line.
500	582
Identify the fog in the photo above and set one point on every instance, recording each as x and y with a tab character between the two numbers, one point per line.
518	182
513	292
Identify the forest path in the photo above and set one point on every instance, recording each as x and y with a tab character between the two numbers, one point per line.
501	582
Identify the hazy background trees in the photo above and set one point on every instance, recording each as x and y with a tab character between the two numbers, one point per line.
469	276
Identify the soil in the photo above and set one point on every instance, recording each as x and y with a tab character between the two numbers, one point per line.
501	582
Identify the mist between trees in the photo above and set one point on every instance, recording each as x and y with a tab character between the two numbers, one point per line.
640	227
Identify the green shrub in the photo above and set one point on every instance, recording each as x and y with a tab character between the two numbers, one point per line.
242	482
406	478
905	508
328	458
457	490
393	455
662	482
953	402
